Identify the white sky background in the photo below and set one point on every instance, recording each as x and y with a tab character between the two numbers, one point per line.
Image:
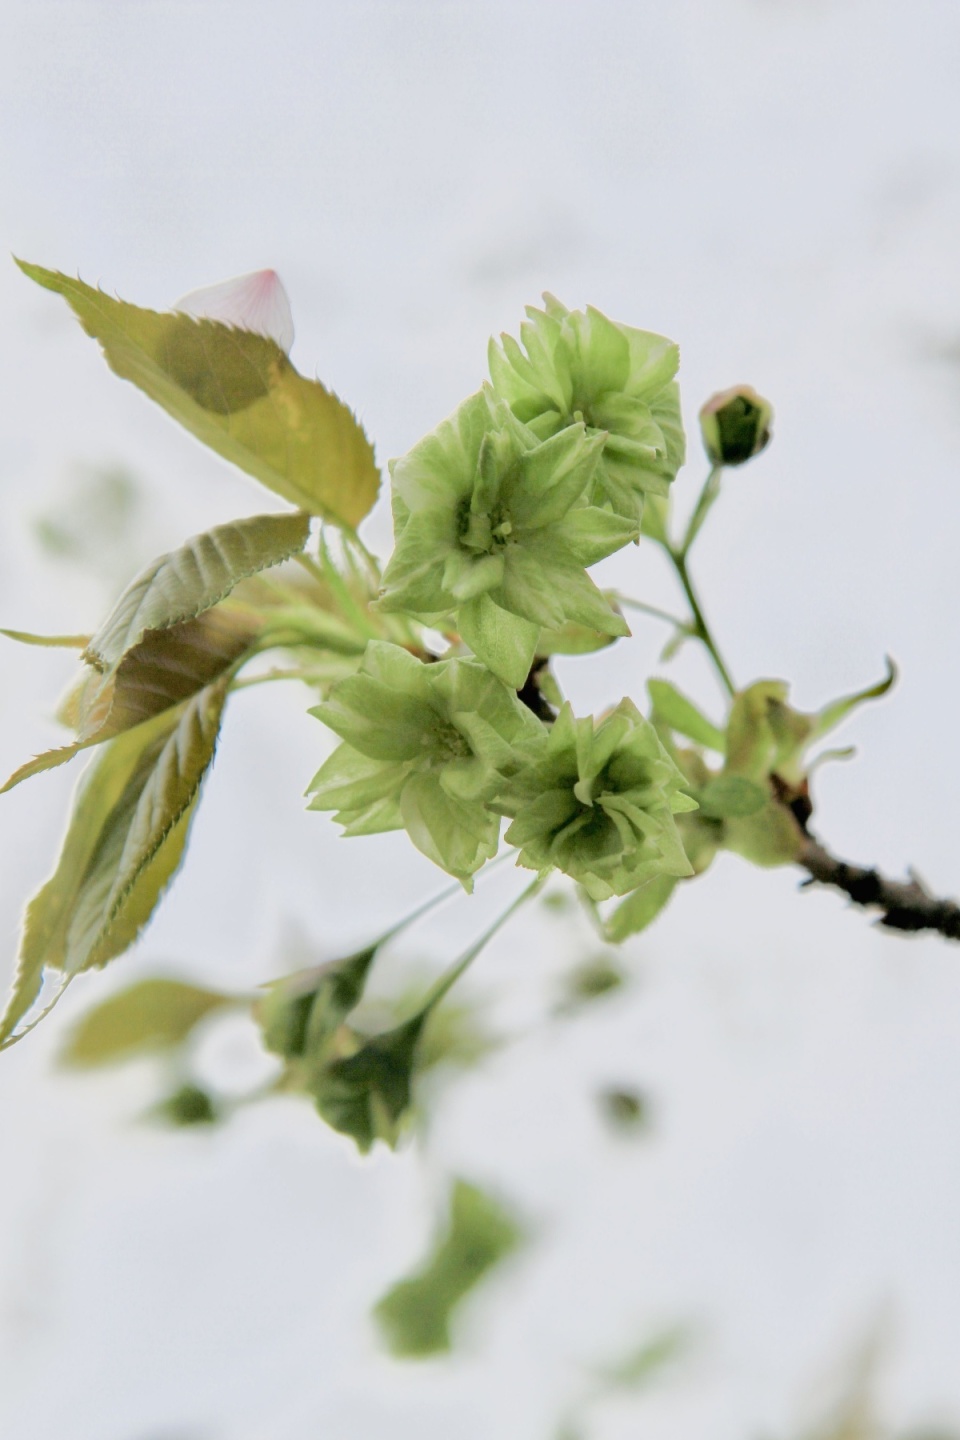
776	185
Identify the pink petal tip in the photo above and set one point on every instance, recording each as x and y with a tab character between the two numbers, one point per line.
256	302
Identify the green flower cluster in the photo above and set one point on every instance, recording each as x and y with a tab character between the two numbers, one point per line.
598	803
495	528
425	747
498	513
578	366
444	750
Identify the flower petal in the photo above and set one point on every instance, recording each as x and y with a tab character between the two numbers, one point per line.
256	302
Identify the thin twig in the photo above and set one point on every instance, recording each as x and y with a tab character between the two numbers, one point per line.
906	905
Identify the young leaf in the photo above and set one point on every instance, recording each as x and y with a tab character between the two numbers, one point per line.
673	709
831	715
237	392
151	1015
166	668
415	1315
124	841
188	581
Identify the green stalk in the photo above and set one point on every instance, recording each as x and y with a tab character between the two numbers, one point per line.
700	628
450	977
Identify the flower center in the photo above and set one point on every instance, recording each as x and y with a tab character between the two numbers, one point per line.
484	533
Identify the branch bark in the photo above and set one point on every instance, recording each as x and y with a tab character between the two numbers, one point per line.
906	905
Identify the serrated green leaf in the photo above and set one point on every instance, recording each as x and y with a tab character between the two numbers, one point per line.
640	908
157	1014
415	1315
125	839
166	668
730	796
237	392
185	583
676	712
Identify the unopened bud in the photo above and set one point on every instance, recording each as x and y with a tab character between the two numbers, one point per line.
735	425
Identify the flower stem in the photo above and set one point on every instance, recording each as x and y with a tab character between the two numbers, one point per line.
700	627
652	610
450	977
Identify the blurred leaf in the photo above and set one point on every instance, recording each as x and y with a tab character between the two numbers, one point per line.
124	841
415	1315
366	1095
770	837
300	1013
727	796
754	737
558	902
95	520
638	1367
166	668
237	392
152	1015
625	1110
640	909
189	1105
676	712
675	643
181	585
589	981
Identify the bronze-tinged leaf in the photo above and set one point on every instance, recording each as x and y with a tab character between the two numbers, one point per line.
125	839
163	670
182	585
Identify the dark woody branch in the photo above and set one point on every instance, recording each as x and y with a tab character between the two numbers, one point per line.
905	905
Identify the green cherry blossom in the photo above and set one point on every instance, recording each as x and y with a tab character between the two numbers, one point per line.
598	803
494	531
576	366
424	747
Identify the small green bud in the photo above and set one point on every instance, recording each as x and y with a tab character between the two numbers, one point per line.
735	425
